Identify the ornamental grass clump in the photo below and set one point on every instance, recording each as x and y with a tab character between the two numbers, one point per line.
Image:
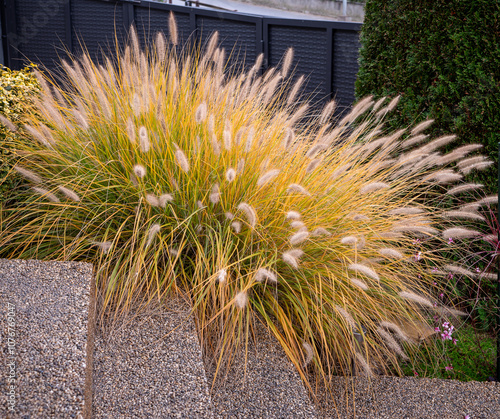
173	174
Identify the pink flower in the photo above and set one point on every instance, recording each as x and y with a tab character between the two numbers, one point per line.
416	373
418	256
450	240
448	367
437	329
441	295
455	341
466	417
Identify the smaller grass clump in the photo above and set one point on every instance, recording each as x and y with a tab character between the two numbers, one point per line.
173	174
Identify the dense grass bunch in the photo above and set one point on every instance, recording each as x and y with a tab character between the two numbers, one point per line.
172	174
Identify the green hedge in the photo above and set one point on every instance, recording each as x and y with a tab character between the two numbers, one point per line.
443	57
16	91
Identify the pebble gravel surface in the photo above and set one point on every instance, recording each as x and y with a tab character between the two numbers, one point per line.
269	386
150	366
46	306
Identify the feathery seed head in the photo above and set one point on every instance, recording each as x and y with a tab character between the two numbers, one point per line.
365	270
476	166
391	343
287	62
68	193
229	215
460	233
394	328
241	300
103	246
309	353
182	160
422	126
315	149
364	364
320	231
172	27
358	283
327	112
405	211
465	215
236	225
266	275
222	275
293	215
299	237
215	145
201	113
50	196
391	253
215	194
241	166
249	212
164	199
152	232
297	224
268	176
296	188
144	139
289	138
152	200
8	123
230	174
139	171
290	259
407	295
227	139
313	165
347	317
459	270
372	187
28	174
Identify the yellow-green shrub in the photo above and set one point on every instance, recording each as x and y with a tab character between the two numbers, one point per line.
16	91
172	176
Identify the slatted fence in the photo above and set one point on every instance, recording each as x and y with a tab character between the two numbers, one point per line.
44	30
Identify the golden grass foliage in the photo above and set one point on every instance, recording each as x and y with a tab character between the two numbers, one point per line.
171	174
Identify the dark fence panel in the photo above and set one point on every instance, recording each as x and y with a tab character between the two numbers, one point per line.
40	32
310	45
326	52
94	24
151	18
345	65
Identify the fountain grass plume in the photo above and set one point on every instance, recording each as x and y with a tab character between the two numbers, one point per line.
143	161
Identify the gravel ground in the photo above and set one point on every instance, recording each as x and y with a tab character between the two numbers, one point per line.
271	387
48	307
397	398
151	366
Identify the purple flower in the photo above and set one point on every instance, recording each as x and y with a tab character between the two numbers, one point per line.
437	329
448	367
441	295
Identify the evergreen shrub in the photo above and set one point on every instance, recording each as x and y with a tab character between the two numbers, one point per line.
443	57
